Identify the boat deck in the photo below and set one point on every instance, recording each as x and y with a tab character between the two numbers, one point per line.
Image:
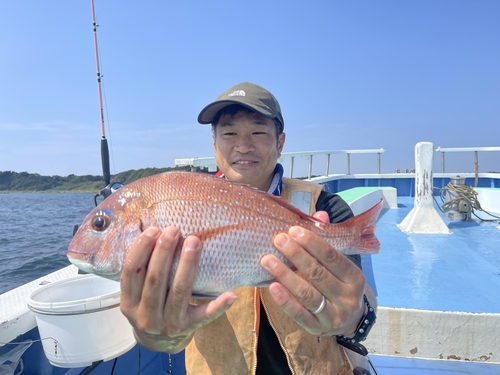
438	297
387	365
447	272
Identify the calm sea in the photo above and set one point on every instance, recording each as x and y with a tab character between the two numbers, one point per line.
35	230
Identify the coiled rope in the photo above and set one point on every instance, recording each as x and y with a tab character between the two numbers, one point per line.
462	193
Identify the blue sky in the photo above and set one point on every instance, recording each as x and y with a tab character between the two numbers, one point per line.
348	75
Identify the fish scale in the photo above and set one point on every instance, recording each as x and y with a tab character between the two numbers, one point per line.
236	224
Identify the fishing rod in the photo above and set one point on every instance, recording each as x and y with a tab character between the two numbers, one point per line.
110	187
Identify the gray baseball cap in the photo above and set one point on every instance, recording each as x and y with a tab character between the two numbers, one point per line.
250	95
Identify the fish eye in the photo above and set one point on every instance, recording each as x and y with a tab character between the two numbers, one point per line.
101	221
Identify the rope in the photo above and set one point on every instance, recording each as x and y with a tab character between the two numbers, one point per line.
463	193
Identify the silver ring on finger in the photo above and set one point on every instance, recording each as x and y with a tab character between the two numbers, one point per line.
321	306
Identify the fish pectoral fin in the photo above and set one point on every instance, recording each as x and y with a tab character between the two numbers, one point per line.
215	232
144	220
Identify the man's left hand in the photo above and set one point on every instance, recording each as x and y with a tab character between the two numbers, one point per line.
322	271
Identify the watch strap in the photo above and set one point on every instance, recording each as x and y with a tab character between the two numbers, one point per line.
362	330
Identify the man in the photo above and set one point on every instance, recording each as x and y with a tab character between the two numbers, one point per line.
290	327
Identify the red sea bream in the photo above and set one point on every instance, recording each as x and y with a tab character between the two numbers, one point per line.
236	224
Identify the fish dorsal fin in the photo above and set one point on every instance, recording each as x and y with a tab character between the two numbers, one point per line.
285	204
278	200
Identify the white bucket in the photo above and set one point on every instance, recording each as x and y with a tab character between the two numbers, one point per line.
80	321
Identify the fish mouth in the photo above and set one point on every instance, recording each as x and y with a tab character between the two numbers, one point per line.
85	263
82	264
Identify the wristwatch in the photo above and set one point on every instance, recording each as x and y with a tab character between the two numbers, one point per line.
364	327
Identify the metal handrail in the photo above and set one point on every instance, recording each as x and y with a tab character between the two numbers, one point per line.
211	163
443	150
310	154
208	162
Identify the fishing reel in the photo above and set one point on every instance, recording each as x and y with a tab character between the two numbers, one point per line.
107	191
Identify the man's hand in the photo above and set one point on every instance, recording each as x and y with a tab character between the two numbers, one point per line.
323	271
162	317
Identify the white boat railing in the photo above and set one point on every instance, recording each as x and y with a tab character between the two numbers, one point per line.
310	154
194	163
211	164
476	150
444	150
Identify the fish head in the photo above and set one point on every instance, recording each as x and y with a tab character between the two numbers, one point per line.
105	236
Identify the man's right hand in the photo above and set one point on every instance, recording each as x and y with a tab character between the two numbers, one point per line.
162	317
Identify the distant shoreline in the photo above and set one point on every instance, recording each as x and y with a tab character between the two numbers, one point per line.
24	182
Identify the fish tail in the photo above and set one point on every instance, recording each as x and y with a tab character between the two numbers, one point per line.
369	243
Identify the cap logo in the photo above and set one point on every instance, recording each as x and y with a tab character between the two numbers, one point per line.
237	93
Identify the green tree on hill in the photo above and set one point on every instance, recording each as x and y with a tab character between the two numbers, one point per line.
31	182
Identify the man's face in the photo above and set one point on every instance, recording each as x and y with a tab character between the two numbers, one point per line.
247	148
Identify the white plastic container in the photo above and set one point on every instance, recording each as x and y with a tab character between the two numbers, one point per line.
80	321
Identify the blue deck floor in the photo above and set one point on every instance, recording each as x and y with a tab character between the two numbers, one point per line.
410	366
454	272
